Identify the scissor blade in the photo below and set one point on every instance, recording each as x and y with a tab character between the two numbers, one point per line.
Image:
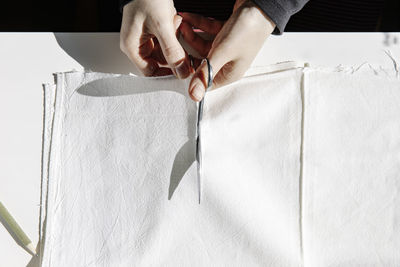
199	185
198	159
198	140
198	148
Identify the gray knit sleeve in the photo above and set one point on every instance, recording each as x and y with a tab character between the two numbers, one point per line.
280	11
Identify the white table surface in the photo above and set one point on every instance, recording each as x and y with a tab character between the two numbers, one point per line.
27	60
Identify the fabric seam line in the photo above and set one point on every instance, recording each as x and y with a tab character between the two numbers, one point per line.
302	95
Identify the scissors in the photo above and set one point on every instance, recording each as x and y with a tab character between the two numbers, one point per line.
198	130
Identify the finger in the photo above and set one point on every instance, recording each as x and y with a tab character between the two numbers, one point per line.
173	51
208	25
151	49
177	21
227	65
229	73
146	49
159	57
191	38
154	50
198	83
157	54
234	66
146	65
133	44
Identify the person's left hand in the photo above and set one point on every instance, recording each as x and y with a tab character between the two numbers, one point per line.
235	46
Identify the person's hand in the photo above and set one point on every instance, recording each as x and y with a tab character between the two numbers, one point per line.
148	38
235	46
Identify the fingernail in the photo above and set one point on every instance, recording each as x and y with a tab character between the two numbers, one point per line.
197	92
182	70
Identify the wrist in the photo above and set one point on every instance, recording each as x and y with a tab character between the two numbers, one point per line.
255	15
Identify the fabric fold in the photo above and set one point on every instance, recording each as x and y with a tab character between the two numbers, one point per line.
300	168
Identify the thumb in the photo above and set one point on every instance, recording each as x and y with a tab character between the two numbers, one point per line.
173	51
198	84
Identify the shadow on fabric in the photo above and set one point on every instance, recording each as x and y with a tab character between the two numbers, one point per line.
131	85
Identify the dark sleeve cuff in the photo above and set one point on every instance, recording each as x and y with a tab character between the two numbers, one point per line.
122	3
280	11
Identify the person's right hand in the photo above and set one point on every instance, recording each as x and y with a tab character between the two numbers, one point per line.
148	38
236	44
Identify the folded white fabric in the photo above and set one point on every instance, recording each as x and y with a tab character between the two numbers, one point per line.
122	185
300	167
351	178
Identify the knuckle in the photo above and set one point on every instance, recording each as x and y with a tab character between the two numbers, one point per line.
126	47
124	42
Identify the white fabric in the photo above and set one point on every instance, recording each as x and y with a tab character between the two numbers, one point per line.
120	146
121	184
351	168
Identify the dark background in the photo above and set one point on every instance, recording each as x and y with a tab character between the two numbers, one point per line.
105	16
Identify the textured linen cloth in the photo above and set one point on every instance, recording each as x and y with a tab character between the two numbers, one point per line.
351	179
122	181
300	168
